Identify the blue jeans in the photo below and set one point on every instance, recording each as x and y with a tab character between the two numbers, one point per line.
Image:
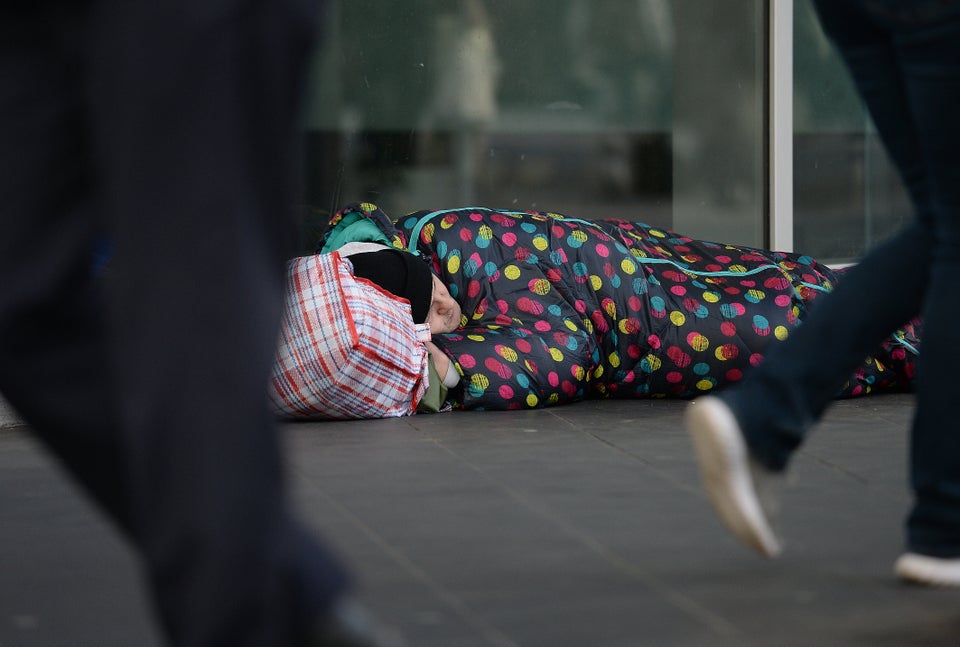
905	60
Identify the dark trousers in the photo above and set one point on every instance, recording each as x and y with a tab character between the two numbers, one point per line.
170	128
905	60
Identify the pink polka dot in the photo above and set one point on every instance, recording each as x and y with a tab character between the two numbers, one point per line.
634	351
473	288
674	377
734	374
466	234
756	359
728	329
506	392
553	379
467	361
523	346
509	239
634	303
782	300
678	290
654	341
603	250
542	326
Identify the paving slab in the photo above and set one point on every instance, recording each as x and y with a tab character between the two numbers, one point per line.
581	525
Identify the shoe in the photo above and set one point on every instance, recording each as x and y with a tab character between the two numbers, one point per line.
927	570
349	624
744	493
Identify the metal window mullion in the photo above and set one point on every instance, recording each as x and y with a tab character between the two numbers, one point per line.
780	105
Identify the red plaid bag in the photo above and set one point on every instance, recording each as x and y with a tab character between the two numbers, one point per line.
347	348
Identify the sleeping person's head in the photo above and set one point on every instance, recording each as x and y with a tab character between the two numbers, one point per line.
409	277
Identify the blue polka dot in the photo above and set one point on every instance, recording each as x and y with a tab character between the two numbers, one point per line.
640	285
523	380
528	227
490	268
701	368
658	304
554	309
442	248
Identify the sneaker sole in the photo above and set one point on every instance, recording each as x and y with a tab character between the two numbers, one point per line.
722	456
928	571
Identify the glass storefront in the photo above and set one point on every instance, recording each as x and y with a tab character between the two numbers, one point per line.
847	195
650	110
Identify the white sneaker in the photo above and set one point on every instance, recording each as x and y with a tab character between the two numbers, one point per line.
743	492
927	570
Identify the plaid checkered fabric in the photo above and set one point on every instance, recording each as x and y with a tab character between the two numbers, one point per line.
347	348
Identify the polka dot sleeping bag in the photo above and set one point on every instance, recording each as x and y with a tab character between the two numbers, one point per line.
557	309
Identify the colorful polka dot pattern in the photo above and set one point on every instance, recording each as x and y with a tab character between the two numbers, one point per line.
558	309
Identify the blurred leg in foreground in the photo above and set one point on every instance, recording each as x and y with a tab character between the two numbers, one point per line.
169	127
905	60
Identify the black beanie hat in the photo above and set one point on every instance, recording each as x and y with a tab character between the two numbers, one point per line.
399	273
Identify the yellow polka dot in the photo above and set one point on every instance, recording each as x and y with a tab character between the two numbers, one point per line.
447	224
711	297
737	268
556	354
588	326
475	337
579	235
570	325
532	400
628	266
781	332
699	343
579	373
453	264
508	353
654	362
540	286
484	232
704	385
611	309
614	360
427	232
541	243
657	233
759	295
677	318
368	206
596	282
512	272
597	372
528	365
479	381
554	398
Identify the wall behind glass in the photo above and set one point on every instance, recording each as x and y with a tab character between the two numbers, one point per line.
847	195
648	110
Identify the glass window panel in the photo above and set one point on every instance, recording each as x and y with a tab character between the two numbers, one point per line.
649	110
847	195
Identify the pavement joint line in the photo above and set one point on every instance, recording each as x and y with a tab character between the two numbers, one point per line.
678	599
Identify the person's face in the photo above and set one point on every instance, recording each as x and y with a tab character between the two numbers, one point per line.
444	314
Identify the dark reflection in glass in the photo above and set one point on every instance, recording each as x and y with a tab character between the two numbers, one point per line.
644	109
